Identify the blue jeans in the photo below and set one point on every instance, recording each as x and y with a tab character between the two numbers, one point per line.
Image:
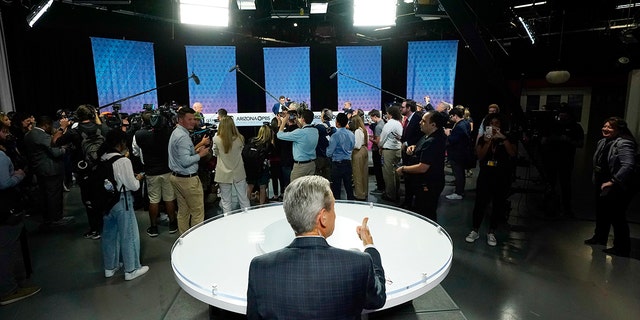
120	236
286	176
341	175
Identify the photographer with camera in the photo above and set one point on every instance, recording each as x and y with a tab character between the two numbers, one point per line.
304	141
325	130
149	144
85	137
183	162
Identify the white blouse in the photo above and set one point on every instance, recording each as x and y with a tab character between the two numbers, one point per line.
359	138
123	172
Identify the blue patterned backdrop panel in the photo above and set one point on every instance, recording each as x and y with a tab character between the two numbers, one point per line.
364	64
431	70
217	87
286	73
124	68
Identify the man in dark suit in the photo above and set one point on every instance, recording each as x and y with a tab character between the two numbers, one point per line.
46	163
310	279
410	135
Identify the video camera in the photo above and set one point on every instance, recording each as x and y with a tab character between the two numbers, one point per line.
209	130
66	113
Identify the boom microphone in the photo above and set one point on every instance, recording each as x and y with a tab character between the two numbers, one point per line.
195	78
234	67
334	74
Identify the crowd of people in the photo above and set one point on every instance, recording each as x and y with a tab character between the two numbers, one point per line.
409	142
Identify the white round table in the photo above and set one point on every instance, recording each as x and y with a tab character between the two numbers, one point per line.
211	260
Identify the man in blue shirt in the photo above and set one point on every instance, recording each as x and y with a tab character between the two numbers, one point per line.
339	150
183	162
304	141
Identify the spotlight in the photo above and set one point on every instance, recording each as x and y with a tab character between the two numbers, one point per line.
39	10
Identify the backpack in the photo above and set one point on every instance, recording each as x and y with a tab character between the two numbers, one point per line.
90	145
254	158
101	184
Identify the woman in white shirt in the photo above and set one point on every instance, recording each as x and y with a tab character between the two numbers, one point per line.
360	160
230	173
120	235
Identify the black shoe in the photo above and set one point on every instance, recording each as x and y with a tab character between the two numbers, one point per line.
62	222
595	241
173	227
93	235
616	252
152	231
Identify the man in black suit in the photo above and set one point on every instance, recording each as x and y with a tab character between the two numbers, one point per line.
410	135
46	163
310	279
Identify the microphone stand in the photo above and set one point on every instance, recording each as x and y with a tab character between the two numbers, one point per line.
257	85
192	76
370	85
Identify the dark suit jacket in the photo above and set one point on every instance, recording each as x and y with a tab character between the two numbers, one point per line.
44	159
459	142
411	134
311	280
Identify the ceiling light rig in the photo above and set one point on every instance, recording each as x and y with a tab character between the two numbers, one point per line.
38	11
528	29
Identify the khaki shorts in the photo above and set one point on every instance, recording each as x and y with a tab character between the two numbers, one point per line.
159	188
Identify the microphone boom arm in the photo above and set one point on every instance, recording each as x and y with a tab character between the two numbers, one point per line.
147	91
370	85
258	85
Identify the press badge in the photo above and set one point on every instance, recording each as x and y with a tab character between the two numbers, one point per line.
492	163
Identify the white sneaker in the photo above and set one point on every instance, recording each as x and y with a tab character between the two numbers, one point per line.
135	273
491	239
453	196
110	273
472	237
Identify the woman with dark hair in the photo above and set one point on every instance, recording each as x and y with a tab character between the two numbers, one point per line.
495	154
613	164
120	235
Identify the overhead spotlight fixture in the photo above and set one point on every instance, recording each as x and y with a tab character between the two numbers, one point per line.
205	12
289	14
408	1
39	10
319	7
374	13
246	4
528	30
628	6
530	5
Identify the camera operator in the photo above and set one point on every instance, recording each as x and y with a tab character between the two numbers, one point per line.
325	130
183	162
149	143
89	126
304	141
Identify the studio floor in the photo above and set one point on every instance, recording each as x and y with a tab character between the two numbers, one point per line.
540	268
